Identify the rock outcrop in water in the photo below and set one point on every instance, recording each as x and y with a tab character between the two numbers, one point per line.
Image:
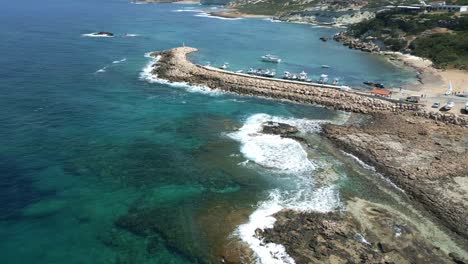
279	129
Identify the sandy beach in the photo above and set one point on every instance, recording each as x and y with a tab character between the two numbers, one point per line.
433	83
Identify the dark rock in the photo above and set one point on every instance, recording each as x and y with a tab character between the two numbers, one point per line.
278	128
456	258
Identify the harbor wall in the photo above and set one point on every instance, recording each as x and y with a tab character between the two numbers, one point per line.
173	65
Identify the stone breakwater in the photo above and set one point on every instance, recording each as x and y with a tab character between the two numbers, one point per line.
174	67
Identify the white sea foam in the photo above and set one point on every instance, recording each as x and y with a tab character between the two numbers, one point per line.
102	70
129	35
188	10
273	20
273	151
147	75
371	168
204	14
323	200
94	35
119	61
289	158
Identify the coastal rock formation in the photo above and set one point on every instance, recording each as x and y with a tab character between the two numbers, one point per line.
428	160
354	43
376	235
278	128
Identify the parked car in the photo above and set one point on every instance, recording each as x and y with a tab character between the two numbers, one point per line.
436	105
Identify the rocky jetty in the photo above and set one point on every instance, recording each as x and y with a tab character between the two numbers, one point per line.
173	66
370	234
354	43
427	159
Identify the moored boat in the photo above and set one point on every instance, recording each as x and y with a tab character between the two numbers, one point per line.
271	58
224	66
323	79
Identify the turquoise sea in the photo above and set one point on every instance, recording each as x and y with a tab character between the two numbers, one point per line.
100	165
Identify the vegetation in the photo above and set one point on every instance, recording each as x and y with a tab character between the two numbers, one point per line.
441	37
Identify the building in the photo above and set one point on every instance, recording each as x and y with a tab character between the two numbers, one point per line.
381	92
448	8
433	7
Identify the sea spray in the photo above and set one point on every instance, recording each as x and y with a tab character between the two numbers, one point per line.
147	74
287	161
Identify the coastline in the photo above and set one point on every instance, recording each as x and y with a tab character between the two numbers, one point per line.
433	83
231	13
393	133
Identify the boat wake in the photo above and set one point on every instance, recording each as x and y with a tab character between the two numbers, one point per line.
286	161
147	75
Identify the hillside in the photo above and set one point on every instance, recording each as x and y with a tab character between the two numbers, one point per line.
440	37
282	7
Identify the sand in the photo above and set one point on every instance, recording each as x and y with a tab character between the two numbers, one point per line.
433	83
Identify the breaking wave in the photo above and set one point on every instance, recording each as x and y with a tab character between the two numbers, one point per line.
147	74
286	160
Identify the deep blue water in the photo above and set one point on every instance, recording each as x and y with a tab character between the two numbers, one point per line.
104	167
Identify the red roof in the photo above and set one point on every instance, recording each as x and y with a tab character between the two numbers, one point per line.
380	91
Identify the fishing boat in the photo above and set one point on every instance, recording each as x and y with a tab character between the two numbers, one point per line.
449	105
271	58
287	75
325	66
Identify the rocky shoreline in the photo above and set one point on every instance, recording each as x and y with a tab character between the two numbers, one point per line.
375	236
423	153
426	159
354	43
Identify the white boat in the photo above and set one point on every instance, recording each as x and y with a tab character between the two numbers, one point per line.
225	66
336	81
286	75
325	66
302	76
449	105
271	58
466	108
323	79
